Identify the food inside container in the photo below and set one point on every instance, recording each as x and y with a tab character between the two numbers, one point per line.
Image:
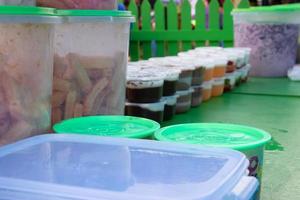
220	66
197	96
209	70
18	2
90	72
229	82
170	107
26	57
153	111
218	87
207	90
184	101
79	4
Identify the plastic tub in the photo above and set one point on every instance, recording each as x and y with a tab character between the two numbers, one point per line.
90	63
218	87
18	2
184	101
229	82
220	67
112	126
272	35
248	140
245	73
207	90
153	111
69	167
238	77
197	95
79	4
209	72
25	71
170	107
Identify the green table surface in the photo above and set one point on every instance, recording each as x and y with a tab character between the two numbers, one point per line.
275	110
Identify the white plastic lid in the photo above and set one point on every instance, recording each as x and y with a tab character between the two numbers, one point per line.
185	92
170	100
219	81
155	107
207	85
138	79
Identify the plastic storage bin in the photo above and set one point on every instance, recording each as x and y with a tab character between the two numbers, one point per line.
79	4
18	2
69	167
112	126
90	63
272	34
25	71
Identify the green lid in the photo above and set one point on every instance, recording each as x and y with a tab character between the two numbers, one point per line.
99	13
26	10
213	134
270	9
114	126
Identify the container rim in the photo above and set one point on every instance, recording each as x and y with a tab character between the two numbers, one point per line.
27	10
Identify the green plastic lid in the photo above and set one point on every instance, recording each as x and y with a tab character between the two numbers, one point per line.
114	126
99	13
213	134
26	10
270	9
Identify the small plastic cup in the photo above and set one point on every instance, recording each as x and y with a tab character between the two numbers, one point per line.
184	101
197	96
220	66
229	82
218	87
170	107
207	90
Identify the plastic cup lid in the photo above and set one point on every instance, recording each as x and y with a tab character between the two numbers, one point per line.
114	126
213	134
170	100
207	84
219	81
185	92
156	106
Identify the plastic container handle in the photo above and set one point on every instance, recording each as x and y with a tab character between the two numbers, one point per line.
245	189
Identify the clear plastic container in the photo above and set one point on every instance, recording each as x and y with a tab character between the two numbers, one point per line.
207	90
272	34
18	2
72	167
229	82
153	111
220	66
79	4
218	87
197	96
90	63
209	70
25	71
245	73
170	107
184	101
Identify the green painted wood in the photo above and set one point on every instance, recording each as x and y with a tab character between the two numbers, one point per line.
228	21
200	21
186	23
172	25
160	19
146	26
214	20
244	4
134	50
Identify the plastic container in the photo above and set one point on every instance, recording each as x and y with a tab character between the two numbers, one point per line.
197	96
207	90
153	111
69	167
184	101
144	87
79	4
112	126
248	140
245	73
90	63
26	47
272	34
220	67
170	107
18	2
238	77
209	72
218	87
229	82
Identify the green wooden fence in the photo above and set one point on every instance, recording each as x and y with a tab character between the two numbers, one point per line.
170	28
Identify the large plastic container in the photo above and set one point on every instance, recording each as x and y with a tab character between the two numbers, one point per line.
79	4
90	63
18	2
73	167
112	126
250	141
25	71
272	34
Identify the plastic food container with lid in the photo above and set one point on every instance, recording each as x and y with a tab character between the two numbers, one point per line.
197	95
248	140
272	34
209	70
108	125
184	101
153	111
88	167
18	2
220	66
218	87
170	107
26	46
79	4
90	62
229	82
207	90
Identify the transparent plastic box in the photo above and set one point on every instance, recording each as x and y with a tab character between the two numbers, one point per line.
91	51
26	46
18	2
80	4
73	167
